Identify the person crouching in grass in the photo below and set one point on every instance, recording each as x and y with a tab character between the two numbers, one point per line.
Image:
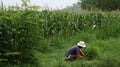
75	51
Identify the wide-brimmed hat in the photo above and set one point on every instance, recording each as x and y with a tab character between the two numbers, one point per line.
81	43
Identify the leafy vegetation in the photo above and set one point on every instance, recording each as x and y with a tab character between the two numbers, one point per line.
100	4
40	38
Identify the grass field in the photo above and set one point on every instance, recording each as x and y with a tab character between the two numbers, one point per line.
98	53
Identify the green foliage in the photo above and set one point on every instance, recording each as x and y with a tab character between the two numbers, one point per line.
88	4
91	53
100	4
17	35
110	61
109	27
97	53
24	32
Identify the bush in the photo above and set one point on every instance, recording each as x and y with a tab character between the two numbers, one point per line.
18	35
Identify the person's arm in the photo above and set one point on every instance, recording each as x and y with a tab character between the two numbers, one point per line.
78	53
79	56
82	53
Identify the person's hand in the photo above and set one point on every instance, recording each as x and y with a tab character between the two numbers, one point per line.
69	56
79	56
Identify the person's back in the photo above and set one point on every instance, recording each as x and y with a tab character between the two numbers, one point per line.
73	51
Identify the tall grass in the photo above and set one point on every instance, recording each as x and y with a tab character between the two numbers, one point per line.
98	53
